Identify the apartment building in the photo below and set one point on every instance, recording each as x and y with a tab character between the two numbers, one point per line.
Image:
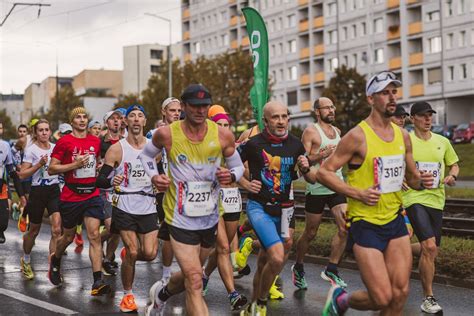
38	96
14	107
428	44
98	82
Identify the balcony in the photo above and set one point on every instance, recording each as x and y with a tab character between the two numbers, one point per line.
187	57
304	53
245	41
305	80
242	19
319	49
399	93
412	1
234	20
186	36
417	90
416	59
393	4
415	27
302	2
318	22
303	26
395	63
234	44
305	106
186	14
393	32
319	76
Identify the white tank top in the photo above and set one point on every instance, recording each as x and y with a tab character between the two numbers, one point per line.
41	177
140	199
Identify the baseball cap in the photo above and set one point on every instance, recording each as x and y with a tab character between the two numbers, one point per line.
110	113
65	128
122	111
420	108
216	109
400	111
33	122
168	101
133	108
92	123
196	94
379	81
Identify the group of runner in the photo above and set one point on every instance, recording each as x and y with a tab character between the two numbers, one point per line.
180	184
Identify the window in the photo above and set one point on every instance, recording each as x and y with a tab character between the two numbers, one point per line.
278	25
225	39
434	44
434	75
352	5
197	47
272	53
354	31
450	73
472	9
282	75
361	3
280	49
333	64
292	46
333	37
354	60
342	6
154	69
332	9
344	33
472	35
378	55
292	98
461	4
462	39
463	72
346	61
156	54
449	41
378	25
432	16
472	70
364	58
449	8
292	73
223	16
291	20
378	1
364	28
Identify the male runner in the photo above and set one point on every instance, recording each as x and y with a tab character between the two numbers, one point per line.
195	148
432	153
44	193
76	156
272	157
377	152
399	116
320	141
134	211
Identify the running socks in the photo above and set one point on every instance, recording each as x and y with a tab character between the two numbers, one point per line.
331	267
166	272
164	294
233	295
97	275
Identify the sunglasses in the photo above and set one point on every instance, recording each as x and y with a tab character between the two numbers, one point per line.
383	77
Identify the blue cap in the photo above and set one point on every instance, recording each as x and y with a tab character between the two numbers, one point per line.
122	111
133	108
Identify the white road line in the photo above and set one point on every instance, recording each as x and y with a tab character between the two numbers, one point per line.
39	303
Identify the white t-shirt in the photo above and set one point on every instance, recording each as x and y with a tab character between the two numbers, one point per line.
33	155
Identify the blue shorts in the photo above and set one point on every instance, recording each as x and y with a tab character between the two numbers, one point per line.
266	227
369	235
72	213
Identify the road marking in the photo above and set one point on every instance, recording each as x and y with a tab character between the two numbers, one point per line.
39	303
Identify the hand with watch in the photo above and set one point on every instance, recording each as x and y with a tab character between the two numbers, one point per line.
427	180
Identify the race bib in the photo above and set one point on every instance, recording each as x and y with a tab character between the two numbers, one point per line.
88	170
198	199
231	200
137	176
286	216
389	173
434	168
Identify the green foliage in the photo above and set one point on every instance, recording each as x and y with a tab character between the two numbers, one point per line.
296	130
347	91
127	100
9	131
466	159
59	112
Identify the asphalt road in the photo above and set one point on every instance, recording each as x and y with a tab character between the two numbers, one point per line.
39	297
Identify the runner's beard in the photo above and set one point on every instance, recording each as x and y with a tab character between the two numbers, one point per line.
327	119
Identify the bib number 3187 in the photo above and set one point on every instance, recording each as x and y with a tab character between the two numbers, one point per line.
389	173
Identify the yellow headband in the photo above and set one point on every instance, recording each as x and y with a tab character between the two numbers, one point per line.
76	111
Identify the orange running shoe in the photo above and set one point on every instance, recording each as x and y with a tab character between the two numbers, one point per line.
123	252
23	223
78	239
127	305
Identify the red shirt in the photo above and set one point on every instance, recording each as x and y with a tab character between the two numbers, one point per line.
65	150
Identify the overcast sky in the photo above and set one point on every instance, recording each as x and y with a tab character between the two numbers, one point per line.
86	34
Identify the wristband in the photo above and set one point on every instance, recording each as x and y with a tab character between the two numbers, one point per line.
233	177
455	178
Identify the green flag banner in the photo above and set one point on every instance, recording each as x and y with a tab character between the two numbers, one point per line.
258	36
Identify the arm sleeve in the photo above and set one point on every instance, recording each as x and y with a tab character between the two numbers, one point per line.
103	180
234	163
147	157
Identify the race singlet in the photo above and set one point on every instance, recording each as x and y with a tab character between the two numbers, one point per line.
389	172
198	200
231	200
434	168
88	170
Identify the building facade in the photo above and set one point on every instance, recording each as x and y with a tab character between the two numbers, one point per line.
98	83
14	107
38	96
428	44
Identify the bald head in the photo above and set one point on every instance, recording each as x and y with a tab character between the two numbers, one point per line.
272	107
276	116
322	101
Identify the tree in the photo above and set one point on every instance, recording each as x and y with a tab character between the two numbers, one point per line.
347	91
9	131
59	112
128	100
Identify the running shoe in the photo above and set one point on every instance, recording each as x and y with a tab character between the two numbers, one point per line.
205	288
78	239
26	269
113	262
2	237
23	224
331	308
100	288
275	293
128	305
237	302
254	310
333	278
54	273
244	252
108	268
430	305
156	307
298	278
239	273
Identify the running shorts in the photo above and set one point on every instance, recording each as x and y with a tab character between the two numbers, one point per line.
315	203
141	224
204	237
72	213
427	222
41	198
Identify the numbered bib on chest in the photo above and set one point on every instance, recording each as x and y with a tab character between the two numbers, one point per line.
231	200
88	170
389	173
198	199
434	168
137	176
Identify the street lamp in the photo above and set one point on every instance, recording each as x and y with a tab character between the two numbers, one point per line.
170	67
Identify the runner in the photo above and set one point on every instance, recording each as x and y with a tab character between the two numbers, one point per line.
134	212
399	116
432	153
272	157
376	152
94	128
190	201
7	170
76	155
231	206
44	193
320	140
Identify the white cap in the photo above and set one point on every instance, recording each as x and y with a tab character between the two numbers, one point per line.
64	128
167	102
379	81
109	114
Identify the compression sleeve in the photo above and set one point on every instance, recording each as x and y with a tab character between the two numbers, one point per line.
147	157
103	180
234	163
16	180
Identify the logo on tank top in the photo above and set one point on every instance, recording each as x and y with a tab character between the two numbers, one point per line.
91	148
212	159
182	158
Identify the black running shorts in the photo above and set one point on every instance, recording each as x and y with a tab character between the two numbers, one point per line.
427	222
41	198
204	237
141	224
315	203
72	213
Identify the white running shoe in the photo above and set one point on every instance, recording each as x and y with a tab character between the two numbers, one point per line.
155	306
430	305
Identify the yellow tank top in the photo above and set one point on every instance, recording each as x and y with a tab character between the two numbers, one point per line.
384	164
192	165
